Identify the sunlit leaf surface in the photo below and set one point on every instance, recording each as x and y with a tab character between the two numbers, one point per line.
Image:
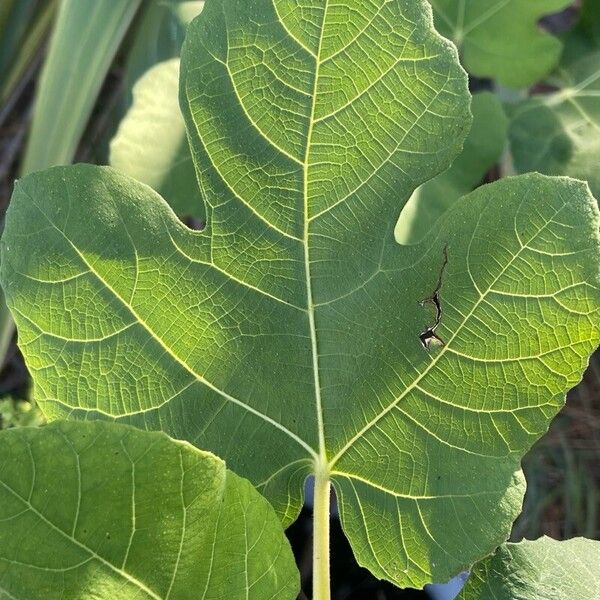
104	511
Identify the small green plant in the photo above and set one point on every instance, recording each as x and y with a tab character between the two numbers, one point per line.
294	335
18	413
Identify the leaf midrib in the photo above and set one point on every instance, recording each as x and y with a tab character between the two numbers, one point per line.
321	464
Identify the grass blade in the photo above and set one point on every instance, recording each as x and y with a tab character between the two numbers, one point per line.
86	38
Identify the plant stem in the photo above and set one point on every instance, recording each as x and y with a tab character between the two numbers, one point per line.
7	329
321	586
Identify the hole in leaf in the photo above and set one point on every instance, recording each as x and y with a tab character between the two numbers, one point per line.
562	21
429	338
194	223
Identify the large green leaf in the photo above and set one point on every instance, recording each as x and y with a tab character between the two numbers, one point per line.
151	143
483	148
559	134
540	570
294	335
502	38
103	511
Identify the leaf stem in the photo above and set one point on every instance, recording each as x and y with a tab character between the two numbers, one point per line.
321	585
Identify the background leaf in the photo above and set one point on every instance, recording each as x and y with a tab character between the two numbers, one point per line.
23	27
558	134
106	511
585	36
158	37
540	570
501	38
151	143
294	335
483	147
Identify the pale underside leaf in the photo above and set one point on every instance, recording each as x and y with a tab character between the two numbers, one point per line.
559	134
544	569
151	143
286	336
502	39
158	37
483	147
104	511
